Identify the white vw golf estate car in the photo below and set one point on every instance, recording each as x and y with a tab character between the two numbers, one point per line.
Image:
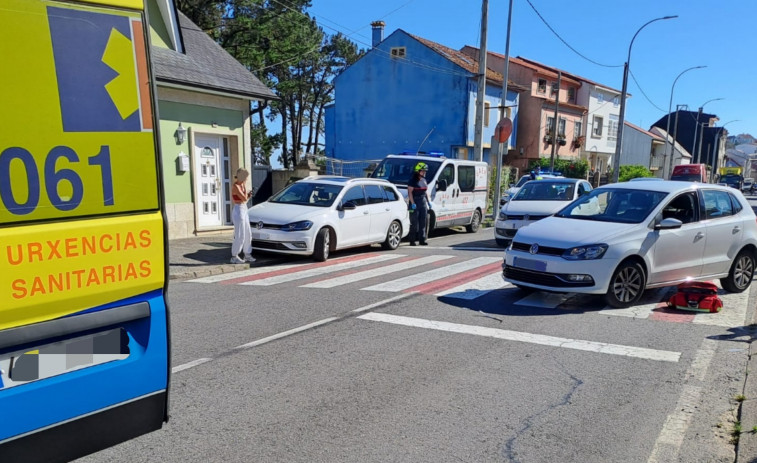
321	214
638	235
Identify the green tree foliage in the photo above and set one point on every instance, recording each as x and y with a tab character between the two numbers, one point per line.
285	48
637	171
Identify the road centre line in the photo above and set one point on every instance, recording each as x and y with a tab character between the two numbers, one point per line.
189	365
577	344
283	334
669	441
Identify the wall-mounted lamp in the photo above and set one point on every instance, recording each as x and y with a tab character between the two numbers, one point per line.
181	134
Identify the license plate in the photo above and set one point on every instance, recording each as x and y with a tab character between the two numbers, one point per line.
260	236
55	359
530	264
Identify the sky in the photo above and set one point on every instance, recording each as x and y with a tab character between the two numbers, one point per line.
591	38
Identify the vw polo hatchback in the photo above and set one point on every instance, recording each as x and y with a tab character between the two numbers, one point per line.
622	238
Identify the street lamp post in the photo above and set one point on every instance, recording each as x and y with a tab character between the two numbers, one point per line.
694	152
621	117
715	143
668	163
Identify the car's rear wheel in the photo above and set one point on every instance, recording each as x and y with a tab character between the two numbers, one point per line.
626	285
393	236
322	245
475	222
741	273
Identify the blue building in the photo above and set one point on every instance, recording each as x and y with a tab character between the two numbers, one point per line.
408	94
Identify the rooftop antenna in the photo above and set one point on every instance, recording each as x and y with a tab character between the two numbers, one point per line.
424	140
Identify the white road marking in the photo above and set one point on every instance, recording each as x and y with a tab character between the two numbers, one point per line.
189	365
590	346
366	274
401	284
637	311
476	288
242	274
287	333
733	312
321	270
669	442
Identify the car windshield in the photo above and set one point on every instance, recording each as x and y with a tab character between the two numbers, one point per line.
308	194
544	190
614	205
400	170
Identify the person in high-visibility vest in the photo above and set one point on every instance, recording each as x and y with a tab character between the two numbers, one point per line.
419	203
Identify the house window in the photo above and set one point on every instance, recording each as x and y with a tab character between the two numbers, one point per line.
561	128
597	127
398	52
572	95
612	129
550	125
542	88
578	129
600	97
553	90
616	101
487	107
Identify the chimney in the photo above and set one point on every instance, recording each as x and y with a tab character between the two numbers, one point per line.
378	32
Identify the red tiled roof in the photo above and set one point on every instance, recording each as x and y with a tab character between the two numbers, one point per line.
466	62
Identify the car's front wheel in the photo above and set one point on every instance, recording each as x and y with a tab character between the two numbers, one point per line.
626	285
322	245
475	222
741	274
393	236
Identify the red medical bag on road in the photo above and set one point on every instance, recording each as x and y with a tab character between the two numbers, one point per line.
700	296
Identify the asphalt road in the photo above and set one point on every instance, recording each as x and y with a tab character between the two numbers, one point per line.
373	357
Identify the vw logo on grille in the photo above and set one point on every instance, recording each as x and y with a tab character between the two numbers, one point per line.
534	248
260	225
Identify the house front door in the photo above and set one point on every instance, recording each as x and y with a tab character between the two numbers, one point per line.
209	180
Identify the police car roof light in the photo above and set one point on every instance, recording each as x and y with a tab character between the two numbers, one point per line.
431	154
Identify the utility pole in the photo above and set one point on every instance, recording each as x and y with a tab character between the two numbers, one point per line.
696	129
675	137
504	147
554	129
478	141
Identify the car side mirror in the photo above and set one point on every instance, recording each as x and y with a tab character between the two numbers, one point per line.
348	206
668	224
441	185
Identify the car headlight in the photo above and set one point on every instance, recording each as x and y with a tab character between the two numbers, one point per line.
298	226
502	216
592	251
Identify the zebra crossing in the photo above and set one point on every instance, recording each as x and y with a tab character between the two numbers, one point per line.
458	277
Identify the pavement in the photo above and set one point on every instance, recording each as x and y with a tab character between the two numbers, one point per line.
209	255
203	256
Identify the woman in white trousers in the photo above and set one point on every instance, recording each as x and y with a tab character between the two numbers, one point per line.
242	233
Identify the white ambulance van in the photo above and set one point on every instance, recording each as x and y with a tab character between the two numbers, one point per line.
459	189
